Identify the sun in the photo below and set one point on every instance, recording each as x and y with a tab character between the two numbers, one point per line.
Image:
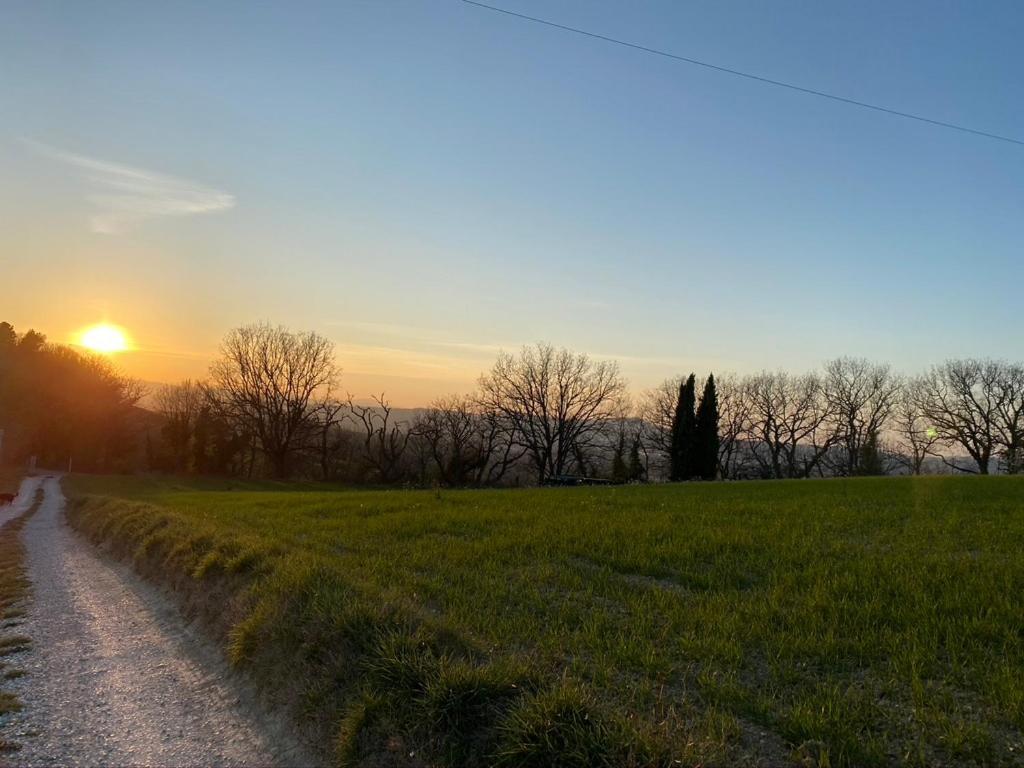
104	338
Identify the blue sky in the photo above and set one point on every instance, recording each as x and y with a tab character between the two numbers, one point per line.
426	182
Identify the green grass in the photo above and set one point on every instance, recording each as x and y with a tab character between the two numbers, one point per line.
861	622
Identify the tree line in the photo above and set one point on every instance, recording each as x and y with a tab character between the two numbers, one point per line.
548	415
64	407
272	406
855	417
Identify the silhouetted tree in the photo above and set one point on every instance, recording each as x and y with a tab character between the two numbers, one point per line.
657	415
266	382
557	404
328	416
916	438
62	405
870	461
684	427
385	440
961	400
180	405
733	423
465	443
8	338
636	470
31	341
789	430
620	470
1010	422
706	433
861	397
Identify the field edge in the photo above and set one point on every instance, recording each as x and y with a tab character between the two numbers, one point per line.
366	682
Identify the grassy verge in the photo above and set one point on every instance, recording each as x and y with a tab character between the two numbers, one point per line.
10	479
867	622
14	589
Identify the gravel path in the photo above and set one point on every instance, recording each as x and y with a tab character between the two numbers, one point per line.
26	495
114	677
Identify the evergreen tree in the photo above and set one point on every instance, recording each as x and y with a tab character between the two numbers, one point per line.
620	472
706	433
8	338
684	427
636	467
871	462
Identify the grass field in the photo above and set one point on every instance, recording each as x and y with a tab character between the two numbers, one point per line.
860	622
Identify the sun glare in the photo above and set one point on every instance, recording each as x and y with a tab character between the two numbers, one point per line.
104	338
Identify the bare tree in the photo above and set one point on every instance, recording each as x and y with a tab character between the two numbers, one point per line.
557	403
180	405
448	428
467	444
327	418
499	438
734	412
657	412
657	409
916	438
861	397
789	425
385	440
962	401
1010	422
626	454
267	380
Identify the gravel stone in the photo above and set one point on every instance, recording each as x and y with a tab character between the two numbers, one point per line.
114	676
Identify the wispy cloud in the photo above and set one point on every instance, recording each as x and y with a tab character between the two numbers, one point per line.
124	196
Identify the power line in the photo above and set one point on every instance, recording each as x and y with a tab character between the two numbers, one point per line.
747	75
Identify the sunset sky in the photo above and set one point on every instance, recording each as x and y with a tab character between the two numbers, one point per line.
425	182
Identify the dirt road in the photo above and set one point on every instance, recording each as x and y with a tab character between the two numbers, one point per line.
114	676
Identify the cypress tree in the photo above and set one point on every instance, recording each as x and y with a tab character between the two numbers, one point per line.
620	472
706	435
684	426
636	467
870	459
